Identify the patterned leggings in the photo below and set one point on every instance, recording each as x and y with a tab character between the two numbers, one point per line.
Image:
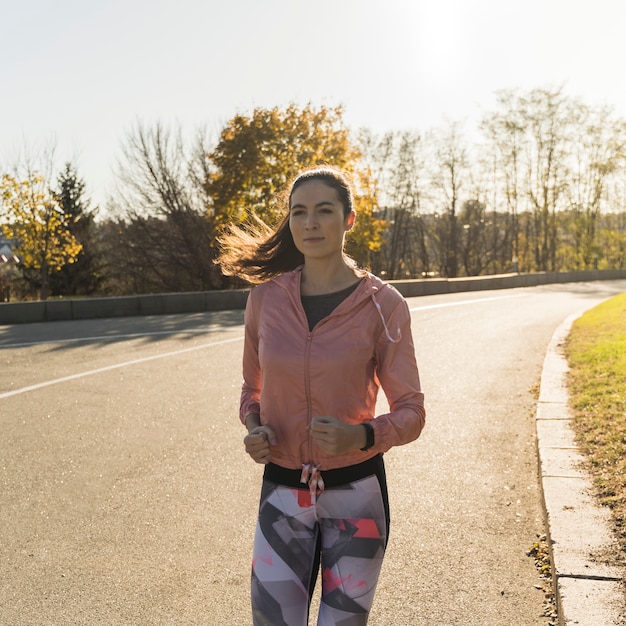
345	528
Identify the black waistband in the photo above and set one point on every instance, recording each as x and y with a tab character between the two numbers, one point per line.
332	478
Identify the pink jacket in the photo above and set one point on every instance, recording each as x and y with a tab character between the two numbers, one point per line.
291	374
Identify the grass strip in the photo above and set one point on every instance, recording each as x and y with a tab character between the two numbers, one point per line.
596	352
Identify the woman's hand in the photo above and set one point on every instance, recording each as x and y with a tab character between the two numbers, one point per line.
258	442
259	439
336	437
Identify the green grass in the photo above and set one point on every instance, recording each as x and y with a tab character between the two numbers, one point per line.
596	352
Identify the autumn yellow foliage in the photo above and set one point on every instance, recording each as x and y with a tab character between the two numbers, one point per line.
259	155
30	215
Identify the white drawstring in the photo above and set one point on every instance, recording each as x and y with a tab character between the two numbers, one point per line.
382	317
311	475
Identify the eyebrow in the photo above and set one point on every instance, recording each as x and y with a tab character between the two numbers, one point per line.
317	206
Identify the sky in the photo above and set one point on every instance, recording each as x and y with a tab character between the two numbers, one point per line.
79	74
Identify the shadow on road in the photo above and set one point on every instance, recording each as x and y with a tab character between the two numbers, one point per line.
65	334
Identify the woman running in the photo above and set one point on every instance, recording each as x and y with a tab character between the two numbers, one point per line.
321	337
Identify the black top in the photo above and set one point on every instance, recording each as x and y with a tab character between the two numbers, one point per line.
319	307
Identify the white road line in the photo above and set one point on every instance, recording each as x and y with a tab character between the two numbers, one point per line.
460	302
108	368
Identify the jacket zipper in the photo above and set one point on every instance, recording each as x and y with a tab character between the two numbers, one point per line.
307	379
309	403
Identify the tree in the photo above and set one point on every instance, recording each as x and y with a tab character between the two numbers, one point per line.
553	162
396	161
34	218
82	277
167	234
473	246
451	169
548	115
504	131
533	134
257	156
599	142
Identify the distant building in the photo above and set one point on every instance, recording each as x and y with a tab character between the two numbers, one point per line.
6	250
8	267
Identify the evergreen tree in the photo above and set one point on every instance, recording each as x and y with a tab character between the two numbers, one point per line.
81	277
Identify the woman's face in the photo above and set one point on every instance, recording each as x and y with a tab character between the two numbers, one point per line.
316	220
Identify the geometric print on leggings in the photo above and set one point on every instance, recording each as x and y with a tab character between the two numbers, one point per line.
351	523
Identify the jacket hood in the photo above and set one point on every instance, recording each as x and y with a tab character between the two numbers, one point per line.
371	286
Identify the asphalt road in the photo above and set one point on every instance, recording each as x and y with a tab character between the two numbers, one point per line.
126	497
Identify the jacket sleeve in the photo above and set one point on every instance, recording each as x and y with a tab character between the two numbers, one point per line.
399	377
251	387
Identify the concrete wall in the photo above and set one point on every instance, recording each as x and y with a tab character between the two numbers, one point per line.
197	302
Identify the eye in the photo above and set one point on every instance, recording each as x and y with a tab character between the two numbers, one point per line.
297	212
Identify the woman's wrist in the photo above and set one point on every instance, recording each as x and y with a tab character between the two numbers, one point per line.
252	421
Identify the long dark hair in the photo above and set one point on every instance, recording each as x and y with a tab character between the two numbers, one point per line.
257	253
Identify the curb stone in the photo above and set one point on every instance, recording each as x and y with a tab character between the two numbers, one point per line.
589	591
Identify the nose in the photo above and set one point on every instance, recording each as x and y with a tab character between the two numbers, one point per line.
311	220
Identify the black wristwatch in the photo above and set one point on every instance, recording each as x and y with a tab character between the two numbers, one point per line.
369	441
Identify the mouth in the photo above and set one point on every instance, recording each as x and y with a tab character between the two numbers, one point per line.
313	239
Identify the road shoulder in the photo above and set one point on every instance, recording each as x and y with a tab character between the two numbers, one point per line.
589	585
